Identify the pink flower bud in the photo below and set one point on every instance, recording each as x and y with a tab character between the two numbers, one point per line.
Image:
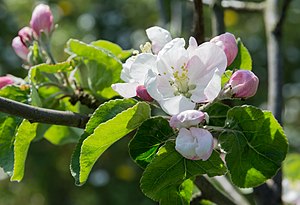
142	93
20	48
5	80
187	119
25	34
227	42
243	83
194	143
41	20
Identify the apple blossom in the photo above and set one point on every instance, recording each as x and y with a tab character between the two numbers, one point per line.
187	119
5	80
243	84
134	73
41	20
186	76
227	42
20	48
159	37
194	143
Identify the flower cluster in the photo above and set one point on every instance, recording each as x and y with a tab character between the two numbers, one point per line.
41	23
182	79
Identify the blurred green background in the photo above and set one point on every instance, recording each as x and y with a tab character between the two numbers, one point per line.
115	178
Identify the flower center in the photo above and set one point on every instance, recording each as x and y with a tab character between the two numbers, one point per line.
181	82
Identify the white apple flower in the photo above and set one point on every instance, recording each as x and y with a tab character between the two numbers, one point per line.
194	143
134	73
185	77
136	67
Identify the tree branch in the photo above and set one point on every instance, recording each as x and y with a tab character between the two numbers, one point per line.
217	17
42	115
239	5
198	21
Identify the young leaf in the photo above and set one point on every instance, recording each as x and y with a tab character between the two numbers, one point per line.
104	69
226	77
16	93
243	59
115	49
255	144
25	134
217	114
8	125
59	135
105	116
149	137
164	176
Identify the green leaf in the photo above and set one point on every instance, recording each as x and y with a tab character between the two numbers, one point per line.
291	167
25	134
115	49
103	67
255	144
217	114
243	59
8	126
164	176
16	93
59	135
226	77
107	113
149	137
181	195
53	68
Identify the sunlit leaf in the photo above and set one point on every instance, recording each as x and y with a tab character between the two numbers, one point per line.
112	120
115	49
8	126
243	59
103	68
25	134
255	144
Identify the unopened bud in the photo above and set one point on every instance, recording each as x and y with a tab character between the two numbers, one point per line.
41	20
187	119
227	42
243	84
194	143
25	34
142	93
20	48
5	80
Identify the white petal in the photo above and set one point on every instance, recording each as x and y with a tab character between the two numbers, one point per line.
213	88
125	73
205	142
159	38
192	45
172	59
176	104
151	83
126	90
196	69
187	119
141	65
212	57
176	42
186	144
